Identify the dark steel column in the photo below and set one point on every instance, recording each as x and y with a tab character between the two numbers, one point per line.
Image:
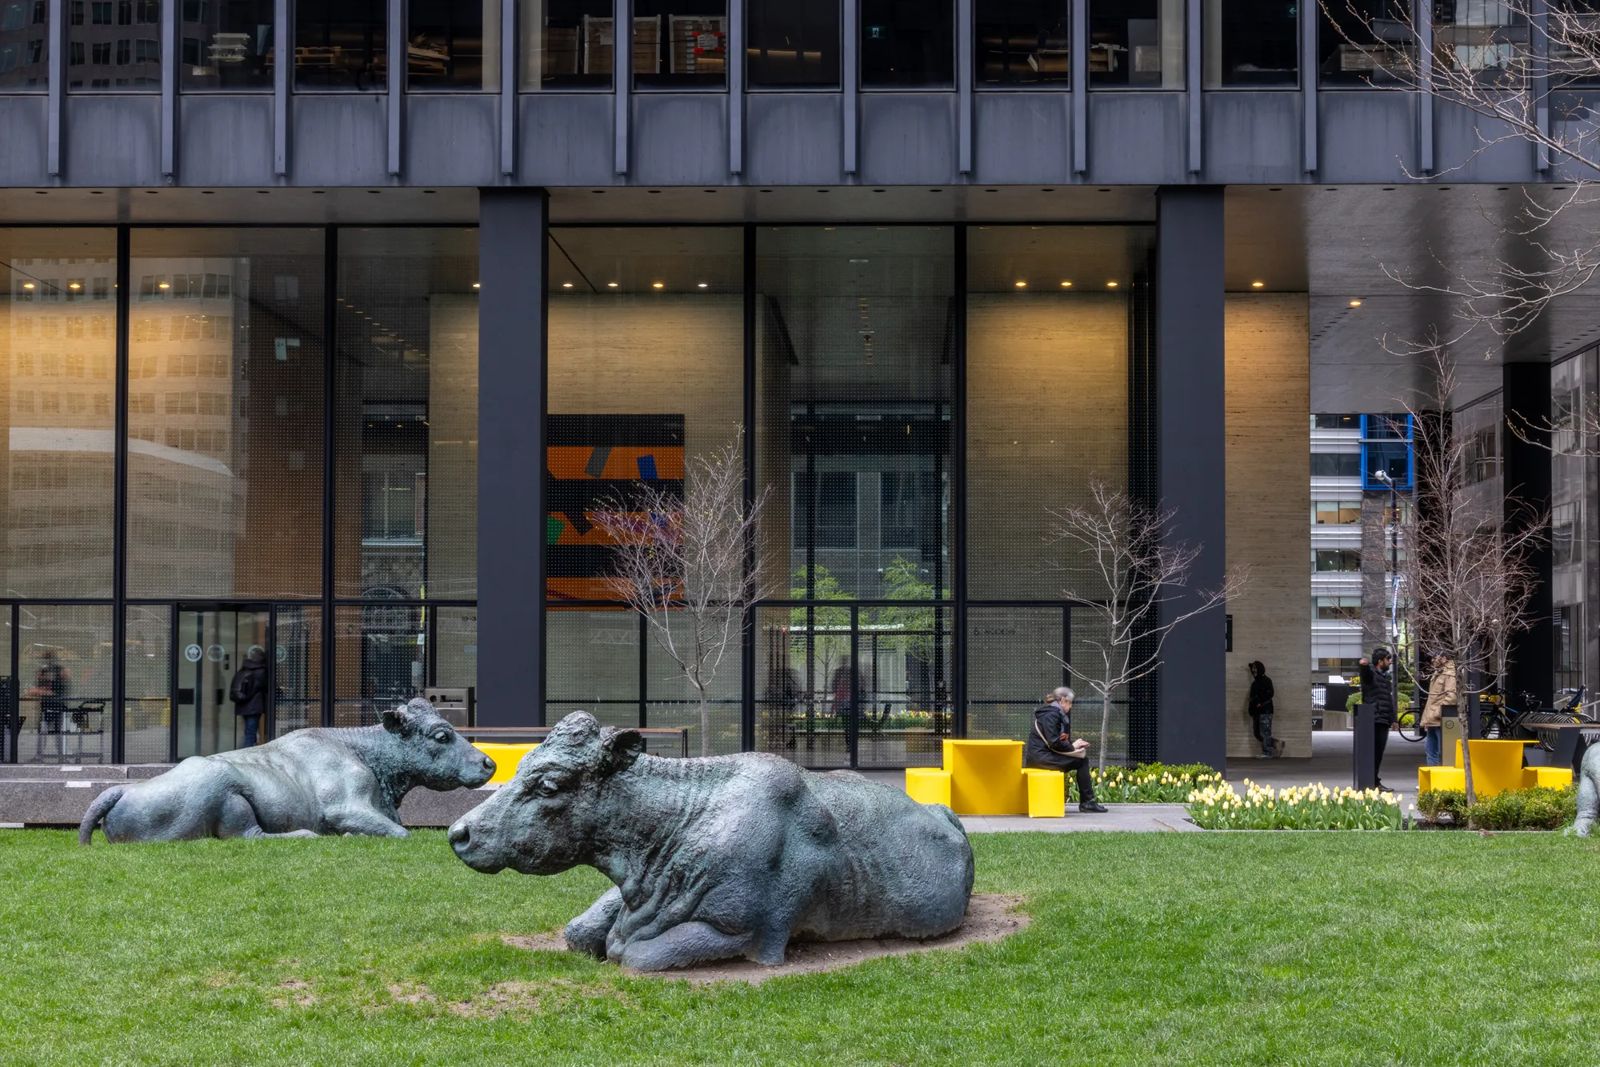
1526	395
1189	415
512	264
119	507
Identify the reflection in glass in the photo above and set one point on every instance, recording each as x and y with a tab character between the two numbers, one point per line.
906	43
57	361
1482	40
339	44
1366	42
1020	41
406	414
680	44
453	44
1571	29
566	44
227	44
1136	43
24	46
380	660
148	687
225	413
114	44
64	658
1251	43
791	46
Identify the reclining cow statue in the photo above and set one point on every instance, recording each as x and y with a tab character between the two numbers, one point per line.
719	857
1588	791
309	782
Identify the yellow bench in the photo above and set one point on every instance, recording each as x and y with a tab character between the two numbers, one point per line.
506	758
928	785
1439	779
1442	778
1552	777
1047	793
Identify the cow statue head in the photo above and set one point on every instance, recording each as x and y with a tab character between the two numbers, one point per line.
550	816
429	752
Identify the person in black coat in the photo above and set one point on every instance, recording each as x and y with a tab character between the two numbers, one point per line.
1050	745
1377	689
248	691
1260	707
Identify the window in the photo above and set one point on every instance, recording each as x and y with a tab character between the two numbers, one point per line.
1251	43
680	44
835	496
1335	512
1020	42
1336	608
790	45
100	52
1485	41
907	44
1564	545
231	46
339	44
569	46
98	37
1335	464
1136	43
1343	560
908	508
447	45
100	13
1366	42
1571	30
1336	422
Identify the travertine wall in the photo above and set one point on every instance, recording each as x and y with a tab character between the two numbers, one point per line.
1268	501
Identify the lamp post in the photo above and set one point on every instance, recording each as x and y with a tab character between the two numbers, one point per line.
1394	559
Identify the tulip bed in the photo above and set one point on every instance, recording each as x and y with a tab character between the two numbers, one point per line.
1159	948
1307	807
1150	783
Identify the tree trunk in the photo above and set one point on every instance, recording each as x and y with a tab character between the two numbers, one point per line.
705	726
1466	739
1105	722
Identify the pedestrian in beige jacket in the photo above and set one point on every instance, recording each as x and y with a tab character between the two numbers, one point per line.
1441	694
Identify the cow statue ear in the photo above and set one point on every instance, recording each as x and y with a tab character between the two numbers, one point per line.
396	720
620	748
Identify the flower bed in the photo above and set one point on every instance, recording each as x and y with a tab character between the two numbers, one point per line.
1150	783
1304	807
1540	808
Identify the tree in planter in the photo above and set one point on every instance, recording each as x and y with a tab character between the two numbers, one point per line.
1123	571
691	566
1467	571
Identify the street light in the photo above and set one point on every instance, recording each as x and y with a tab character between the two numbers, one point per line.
1394	558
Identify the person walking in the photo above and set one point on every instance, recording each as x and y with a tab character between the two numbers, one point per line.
1377	689
248	691
50	687
1260	709
1052	746
1441	695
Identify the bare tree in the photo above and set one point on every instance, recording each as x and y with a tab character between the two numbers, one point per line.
691	566
1467	572
1125	571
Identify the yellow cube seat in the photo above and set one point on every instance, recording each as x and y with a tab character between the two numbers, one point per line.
928	785
986	777
506	758
1430	779
1551	777
1047	793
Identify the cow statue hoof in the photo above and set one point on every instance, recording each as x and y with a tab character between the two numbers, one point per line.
721	857
304	784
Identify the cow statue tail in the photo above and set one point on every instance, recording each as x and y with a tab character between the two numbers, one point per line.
97	812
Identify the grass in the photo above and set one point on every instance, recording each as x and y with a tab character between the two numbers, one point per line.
1313	948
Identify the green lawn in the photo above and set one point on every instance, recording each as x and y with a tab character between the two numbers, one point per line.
1145	948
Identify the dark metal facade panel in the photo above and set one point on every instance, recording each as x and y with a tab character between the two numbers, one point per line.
1528	484
566	139
1367	136
113	140
339	139
908	139
793	139
227	139
680	139
1022	138
451	139
1137	138
1253	137
1466	147
24	131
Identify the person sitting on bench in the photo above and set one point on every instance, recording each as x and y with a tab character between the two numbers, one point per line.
1051	745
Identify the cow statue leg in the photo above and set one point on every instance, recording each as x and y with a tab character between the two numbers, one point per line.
684	946
364	821
587	933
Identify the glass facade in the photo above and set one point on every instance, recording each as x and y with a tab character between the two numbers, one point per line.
1020	42
24	46
1482	41
114	44
227	45
907	45
1137	44
791	46
680	44
1366	42
1251	43
453	44
339	44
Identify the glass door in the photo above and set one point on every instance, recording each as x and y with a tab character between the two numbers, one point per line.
214	644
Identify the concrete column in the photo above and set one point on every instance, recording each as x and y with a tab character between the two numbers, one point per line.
512	255
1190	475
1525	390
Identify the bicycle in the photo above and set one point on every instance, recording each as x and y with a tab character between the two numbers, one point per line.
1499	722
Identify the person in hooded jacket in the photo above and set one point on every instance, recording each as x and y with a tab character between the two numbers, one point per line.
1441	695
1260	706
1051	745
248	691
1377	689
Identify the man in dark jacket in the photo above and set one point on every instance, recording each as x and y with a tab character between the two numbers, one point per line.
1377	689
1051	745
248	691
1260	701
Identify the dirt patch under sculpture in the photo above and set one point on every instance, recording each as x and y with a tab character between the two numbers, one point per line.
990	917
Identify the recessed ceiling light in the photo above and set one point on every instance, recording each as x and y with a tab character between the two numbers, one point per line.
566	285
1066	284
163	285
701	285
1020	284
74	285
1258	285
658	285
1111	285
27	285
476	284
611	285
1355	303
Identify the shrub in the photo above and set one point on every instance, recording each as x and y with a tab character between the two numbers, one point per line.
1443	807
1149	783
1540	808
1305	807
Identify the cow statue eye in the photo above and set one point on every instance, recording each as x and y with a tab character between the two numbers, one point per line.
443	737
546	787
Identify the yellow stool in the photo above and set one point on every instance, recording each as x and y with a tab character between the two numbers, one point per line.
986	777
1430	779
1047	793
1550	777
506	758
1496	766
928	785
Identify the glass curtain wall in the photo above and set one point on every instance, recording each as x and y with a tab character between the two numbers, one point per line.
1136	44
453	44
791	46
339	45
114	44
1021	42
24	46
680	44
566	44
646	350
1251	43
1366	42
1572	517
906	44
227	45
